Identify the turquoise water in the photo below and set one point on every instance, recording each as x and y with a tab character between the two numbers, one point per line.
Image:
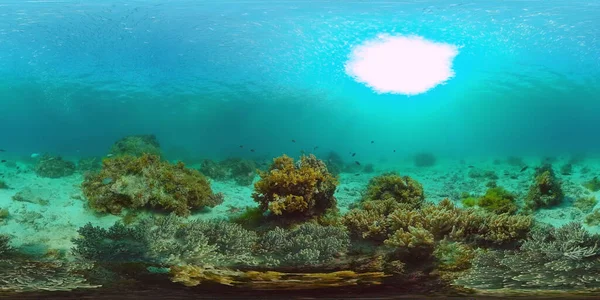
257	79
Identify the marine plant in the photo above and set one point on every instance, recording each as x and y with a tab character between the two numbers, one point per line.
593	218
402	189
545	191
298	190
551	258
136	145
147	182
54	167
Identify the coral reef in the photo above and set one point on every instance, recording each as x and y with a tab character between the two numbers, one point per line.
5	247
563	258
585	204
424	159
136	145
403	189
190	275
335	163
54	167
147	182
593	218
213	169
167	241
545	191
28	275
28	195
308	245
89	164
383	221
242	171
592	184
453	256
296	190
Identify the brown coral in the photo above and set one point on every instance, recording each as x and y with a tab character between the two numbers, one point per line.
403	189
300	190
147	182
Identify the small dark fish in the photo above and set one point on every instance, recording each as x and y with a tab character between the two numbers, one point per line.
315	148
353	154
394	150
356	162
4	160
357	174
293	141
471	167
302	151
2	150
241	146
524	168
251	150
372	142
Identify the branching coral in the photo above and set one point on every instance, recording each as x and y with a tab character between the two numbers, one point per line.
147	182
545	190
167	241
296	190
564	258
403	189
308	245
136	145
25	275
54	167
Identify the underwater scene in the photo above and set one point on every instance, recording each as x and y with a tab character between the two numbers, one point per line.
299	149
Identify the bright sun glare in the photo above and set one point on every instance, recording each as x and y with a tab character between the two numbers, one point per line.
408	65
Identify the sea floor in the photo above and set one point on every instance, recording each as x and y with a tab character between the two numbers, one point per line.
49	212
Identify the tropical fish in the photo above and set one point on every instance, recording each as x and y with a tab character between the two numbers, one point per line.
524	168
353	154
4	160
357	162
251	150
293	141
372	142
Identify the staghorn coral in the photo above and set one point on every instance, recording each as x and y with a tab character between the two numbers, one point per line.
308	245
54	167
563	258
403	189
296	190
25	275
545	190
190	275
147	182
136	145
167	241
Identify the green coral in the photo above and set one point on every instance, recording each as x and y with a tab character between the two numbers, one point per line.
54	167
136	145
147	182
545	191
498	200
298	190
402	189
